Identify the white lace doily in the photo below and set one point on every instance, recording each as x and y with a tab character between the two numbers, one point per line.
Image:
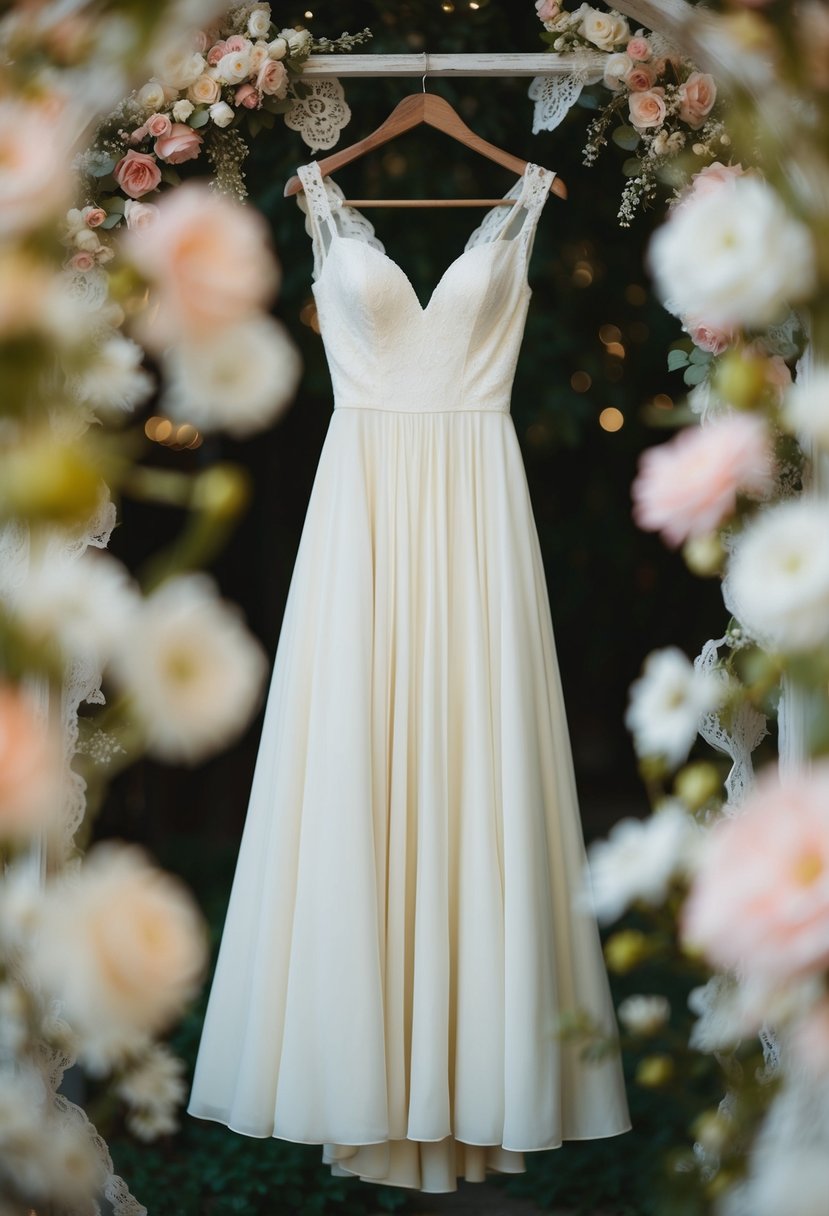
321	114
554	97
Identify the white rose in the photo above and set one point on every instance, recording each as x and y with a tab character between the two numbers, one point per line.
278	49
644	1015
221	114
179	69
259	21
806	411
234	67
151	95
87	239
735	257
604	30
182	110
616	70
299	41
666	704
205	90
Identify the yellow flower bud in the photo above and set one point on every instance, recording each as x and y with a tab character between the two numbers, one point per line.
654	1071
696	783
740	379
625	949
222	491
704	555
43	479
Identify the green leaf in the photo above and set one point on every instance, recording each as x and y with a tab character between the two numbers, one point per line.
548	36
281	107
170	175
301	89
114	204
198	118
677	359
101	166
632	167
254	124
700	356
626	137
695	373
112	220
588	101
267	119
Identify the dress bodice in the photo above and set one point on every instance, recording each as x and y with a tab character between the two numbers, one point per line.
384	348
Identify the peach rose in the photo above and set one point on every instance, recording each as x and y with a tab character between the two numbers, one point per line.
760	902
93	217
689	486
647	109
696	99
182	143
140	215
204	91
258	56
640	78
158	125
639	49
36	180
216	53
709	337
712	178
137	173
272	78
209	259
248	96
29	767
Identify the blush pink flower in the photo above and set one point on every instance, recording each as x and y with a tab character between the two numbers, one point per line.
209	260
29	767
640	78
82	260
158	125
688	486
547	10
216	52
712	338
181	144
248	95
760	900
139	215
647	109
709	180
639	49
201	41
697	96
93	217
137	173
237	42
272	78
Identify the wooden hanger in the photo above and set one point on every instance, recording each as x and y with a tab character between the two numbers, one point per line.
436	112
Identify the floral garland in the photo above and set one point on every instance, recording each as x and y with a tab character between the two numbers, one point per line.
660	103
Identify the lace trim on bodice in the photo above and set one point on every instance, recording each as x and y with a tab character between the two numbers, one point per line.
326	215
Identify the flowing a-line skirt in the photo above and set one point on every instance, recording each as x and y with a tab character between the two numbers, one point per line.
401	936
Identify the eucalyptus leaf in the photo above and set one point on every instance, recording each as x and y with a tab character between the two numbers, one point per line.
101	166
677	359
700	356
632	167
695	373
588	101
112	220
626	137
115	204
199	118
170	175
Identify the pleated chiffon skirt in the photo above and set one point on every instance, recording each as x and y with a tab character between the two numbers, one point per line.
401	937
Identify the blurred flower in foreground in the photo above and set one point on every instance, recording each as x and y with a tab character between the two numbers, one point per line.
806	411
644	1015
735	256
122	946
760	900
667	702
35	179
779	576
191	670
688	486
638	860
30	761
152	1090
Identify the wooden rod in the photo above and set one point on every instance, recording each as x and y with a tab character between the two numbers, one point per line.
542	63
428	202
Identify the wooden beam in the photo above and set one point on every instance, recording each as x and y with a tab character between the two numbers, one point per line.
542	63
667	17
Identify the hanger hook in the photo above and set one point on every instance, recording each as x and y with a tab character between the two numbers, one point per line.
425	69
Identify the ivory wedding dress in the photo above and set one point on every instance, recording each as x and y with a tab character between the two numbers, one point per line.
401	936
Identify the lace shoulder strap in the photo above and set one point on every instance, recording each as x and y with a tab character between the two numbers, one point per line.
518	222
326	217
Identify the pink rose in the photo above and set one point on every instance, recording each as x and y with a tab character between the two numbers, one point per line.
216	52
82	260
547	10
182	143
29	767
647	109
272	78
696	99
760	901
137	173
140	215
688	486
710	179
640	78
93	216
709	337
139	134
639	49
158	125
248	96
237	42
210	263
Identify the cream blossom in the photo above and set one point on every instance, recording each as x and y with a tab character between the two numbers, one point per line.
35	179
152	1089
278	48
221	114
644	1015
735	256
191	670
616	69
638	861
70	1166
209	260
806	409
647	109
234	67
238	381
151	95
688	486
604	30
179	68
778	576
765	874
666	704
122	946
272	79
258	56
114	379
259	21
204	91
139	215
696	96
21	908
299	41
182	109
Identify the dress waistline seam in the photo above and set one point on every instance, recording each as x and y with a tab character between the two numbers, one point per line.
458	409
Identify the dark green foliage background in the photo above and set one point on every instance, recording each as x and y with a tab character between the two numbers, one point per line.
614	592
